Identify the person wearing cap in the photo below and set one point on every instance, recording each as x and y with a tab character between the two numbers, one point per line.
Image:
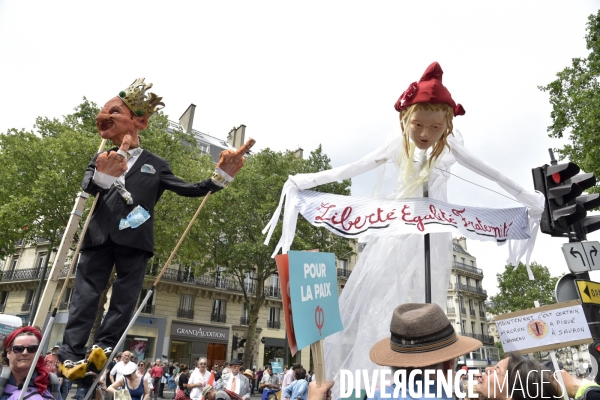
132	381
129	181
236	382
52	360
421	337
412	163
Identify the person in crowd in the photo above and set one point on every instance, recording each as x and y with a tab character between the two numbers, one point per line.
198	379
145	374
298	389
111	365
156	372
117	371
18	353
289	376
250	375
132	381
421	337
236	382
259	375
182	392
52	360
269	380
518	378
163	380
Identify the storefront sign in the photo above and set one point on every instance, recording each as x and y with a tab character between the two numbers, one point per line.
543	328
210	333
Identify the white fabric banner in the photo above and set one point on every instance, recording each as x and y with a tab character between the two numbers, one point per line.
355	217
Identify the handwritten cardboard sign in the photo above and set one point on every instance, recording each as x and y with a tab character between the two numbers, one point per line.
543	328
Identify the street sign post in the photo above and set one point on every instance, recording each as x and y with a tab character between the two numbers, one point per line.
582	256
565	289
589	291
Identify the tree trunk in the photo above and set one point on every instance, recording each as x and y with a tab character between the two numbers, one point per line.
100	311
255	305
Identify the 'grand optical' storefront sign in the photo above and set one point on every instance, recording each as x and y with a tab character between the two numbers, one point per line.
206	332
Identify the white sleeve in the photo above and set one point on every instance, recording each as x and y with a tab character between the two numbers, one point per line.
533	200
103	180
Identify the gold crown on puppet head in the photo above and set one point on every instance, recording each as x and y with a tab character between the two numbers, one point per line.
136	99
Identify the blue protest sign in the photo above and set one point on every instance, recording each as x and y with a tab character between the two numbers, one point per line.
313	289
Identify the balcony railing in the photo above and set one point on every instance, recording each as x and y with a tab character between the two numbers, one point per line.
467	268
482	338
273	324
211	281
244	320
273	291
482	314
472	312
343	273
148	309
463	311
26	307
450	311
185	313
30	273
218	318
471	288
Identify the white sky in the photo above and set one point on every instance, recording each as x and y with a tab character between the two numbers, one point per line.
307	72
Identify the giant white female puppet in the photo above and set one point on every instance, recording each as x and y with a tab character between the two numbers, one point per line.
390	269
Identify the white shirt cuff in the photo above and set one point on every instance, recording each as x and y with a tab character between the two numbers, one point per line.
221	178
103	180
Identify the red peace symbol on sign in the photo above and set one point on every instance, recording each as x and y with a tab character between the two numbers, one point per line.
319	318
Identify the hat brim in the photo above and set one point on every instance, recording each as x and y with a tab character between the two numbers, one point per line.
382	354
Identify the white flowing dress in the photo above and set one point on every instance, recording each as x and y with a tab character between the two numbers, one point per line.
390	270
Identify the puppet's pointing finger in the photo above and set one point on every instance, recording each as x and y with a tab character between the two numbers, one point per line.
244	148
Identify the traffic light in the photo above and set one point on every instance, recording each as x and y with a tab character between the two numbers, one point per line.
594	350
565	212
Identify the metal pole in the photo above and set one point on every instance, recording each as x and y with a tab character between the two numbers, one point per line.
427	243
38	292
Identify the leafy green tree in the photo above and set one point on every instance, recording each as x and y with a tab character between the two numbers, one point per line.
517	292
231	228
575	99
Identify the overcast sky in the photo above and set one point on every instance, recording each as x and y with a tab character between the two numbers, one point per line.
305	73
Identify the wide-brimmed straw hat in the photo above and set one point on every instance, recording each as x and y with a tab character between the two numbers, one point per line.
421	336
248	373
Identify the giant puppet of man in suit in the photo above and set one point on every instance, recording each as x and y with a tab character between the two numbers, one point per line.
128	180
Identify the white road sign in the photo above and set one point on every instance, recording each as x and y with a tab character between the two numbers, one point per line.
582	256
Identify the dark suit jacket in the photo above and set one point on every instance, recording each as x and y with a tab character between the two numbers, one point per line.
146	189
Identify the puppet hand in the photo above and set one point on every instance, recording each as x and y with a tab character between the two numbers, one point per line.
113	163
232	161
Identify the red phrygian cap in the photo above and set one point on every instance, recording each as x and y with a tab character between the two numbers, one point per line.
429	89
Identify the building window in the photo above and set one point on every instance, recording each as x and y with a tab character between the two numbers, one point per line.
186	306
13	264
272	290
473	327
249	282
28	300
64	305
273	321
472	263
483	329
3	299
245	318
40	261
462	326
204	148
343	264
219	311
149	307
221	281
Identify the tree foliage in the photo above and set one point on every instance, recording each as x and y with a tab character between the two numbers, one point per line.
517	292
575	99
231	226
